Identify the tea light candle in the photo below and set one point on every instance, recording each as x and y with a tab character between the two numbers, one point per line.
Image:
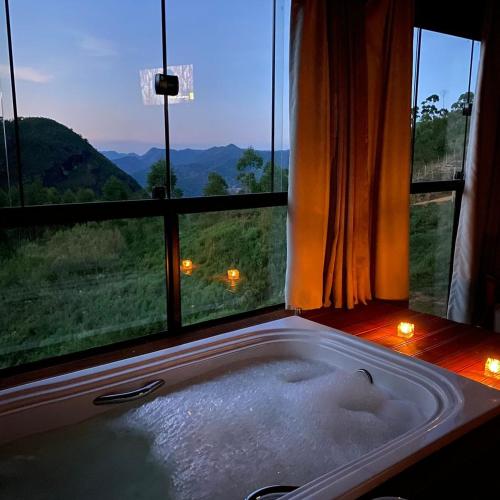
187	264
233	274
492	368
406	330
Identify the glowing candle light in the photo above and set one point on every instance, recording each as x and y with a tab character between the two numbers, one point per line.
406	330
233	275
492	368
187	266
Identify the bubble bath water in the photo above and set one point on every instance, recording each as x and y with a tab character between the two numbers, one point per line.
283	421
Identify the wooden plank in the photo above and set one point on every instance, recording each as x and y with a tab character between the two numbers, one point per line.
460	348
344	318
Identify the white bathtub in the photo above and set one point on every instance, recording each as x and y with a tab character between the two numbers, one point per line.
451	404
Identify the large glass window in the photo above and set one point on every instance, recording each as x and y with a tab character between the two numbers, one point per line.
431	229
69	288
90	129
444	96
444	78
231	262
77	69
221	135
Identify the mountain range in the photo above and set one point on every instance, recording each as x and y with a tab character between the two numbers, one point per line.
54	156
191	166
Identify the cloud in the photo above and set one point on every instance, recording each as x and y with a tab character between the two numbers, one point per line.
97	47
26	73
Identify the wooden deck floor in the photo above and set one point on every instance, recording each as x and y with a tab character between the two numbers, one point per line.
460	348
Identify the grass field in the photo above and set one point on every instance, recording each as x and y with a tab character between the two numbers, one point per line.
64	289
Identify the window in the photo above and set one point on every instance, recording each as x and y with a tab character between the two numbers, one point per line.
444	77
71	287
233	262
91	133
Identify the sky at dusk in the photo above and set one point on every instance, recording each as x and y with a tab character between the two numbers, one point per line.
79	63
444	67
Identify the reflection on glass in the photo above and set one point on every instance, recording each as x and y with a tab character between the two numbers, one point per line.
69	288
442	94
431	228
86	134
238	262
183	72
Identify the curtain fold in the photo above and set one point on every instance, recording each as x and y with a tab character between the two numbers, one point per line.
350	94
477	247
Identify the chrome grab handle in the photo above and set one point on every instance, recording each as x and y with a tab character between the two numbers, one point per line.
125	397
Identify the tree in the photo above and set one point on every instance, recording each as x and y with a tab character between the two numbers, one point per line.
429	110
114	189
53	195
85	195
463	100
280	179
216	185
68	196
249	163
156	177
35	193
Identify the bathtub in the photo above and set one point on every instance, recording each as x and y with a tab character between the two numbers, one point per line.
451	405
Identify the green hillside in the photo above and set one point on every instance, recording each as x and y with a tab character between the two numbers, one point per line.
53	156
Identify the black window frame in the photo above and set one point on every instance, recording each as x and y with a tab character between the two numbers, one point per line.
169	208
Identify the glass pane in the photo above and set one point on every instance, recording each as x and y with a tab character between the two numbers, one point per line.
69	288
78	81
282	121
442	95
220	138
9	181
231	262
431	229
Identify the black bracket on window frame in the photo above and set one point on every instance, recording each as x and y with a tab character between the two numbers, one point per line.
166	84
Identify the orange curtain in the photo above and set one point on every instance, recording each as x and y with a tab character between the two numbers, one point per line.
350	93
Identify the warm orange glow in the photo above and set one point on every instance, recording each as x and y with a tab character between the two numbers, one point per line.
492	368
406	330
233	274
187	264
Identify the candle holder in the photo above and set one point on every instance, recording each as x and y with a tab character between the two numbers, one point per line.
233	274
406	330
492	368
187	266
232	279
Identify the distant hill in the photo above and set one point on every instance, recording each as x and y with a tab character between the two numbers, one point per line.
192	166
60	158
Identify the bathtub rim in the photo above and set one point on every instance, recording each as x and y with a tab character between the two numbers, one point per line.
451	388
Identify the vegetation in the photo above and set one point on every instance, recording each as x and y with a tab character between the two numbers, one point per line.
252	241
216	185
64	289
156	177
57	164
431	224
439	139
254	176
438	154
